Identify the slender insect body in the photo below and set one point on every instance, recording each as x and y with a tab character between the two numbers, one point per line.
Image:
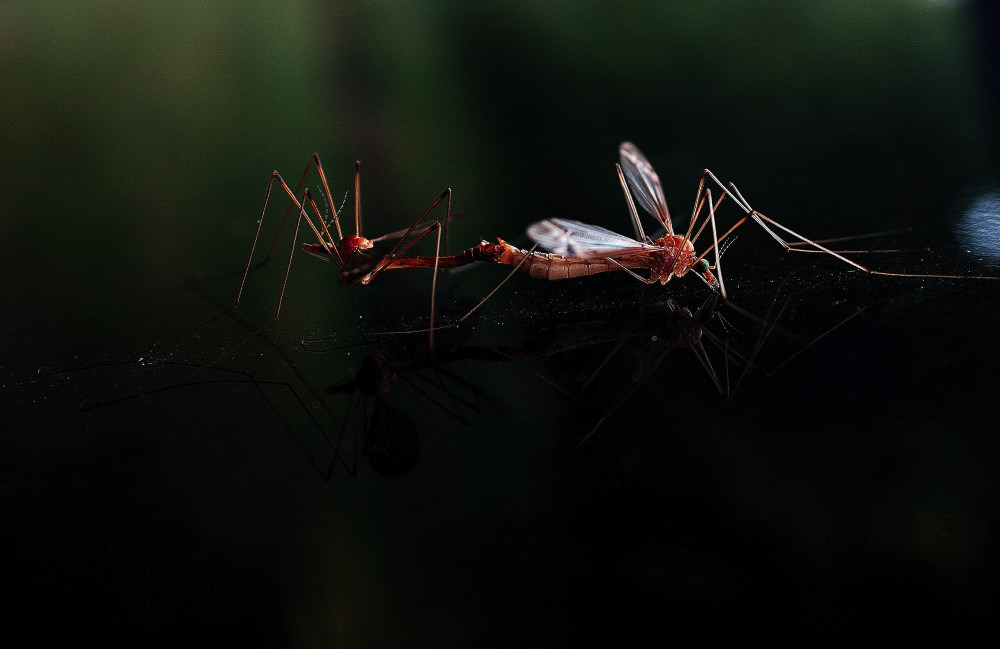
540	265
670	255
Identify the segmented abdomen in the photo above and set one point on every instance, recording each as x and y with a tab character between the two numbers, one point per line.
545	265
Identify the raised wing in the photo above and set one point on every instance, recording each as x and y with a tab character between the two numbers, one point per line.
575	239
645	183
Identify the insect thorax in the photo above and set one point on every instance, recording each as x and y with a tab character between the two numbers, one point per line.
673	258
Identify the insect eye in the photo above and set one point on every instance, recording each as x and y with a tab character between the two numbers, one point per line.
701	266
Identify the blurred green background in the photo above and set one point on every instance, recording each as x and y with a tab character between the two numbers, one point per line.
137	140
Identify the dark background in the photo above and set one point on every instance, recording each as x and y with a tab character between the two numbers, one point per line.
853	490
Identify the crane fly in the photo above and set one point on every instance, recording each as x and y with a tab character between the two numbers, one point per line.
358	258
575	249
645	185
670	255
578	249
660	329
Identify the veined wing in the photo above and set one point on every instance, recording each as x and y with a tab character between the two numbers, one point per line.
645	183
575	239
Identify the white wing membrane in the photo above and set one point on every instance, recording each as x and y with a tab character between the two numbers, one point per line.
576	239
645	183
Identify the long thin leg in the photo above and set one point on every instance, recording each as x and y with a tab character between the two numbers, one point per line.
357	200
458	323
761	219
403	246
644	280
687	235
636	223
186	379
302	214
855	237
324	237
704	196
291	254
699	205
405	243
498	286
436	391
277	310
328	241
715	243
624	396
437	258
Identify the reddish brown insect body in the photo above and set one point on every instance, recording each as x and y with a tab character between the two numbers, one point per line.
666	258
577	249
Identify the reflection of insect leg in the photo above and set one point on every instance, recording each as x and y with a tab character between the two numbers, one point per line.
270	392
389	436
685	330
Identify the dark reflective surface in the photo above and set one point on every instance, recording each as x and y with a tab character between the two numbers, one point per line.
852	488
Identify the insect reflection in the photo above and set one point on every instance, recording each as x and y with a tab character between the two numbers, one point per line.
663	327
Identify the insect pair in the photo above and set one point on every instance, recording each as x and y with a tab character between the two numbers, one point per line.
572	248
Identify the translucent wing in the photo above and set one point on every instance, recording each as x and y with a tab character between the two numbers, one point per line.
645	183
575	239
